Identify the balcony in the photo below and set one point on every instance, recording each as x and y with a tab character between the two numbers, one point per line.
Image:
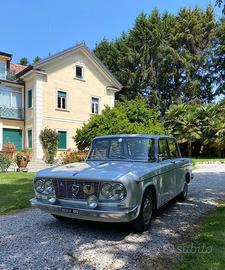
8	75
12	113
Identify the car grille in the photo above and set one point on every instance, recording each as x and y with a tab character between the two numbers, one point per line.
75	189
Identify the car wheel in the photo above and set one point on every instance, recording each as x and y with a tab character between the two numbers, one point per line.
61	218
143	221
183	195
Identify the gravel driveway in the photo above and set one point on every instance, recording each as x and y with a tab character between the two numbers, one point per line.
31	239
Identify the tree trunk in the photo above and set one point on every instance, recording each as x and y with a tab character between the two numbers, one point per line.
189	148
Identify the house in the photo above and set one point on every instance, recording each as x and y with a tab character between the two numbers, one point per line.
60	92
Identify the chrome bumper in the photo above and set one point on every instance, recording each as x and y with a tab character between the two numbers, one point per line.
87	214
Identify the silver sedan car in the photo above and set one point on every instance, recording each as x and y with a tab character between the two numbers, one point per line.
124	179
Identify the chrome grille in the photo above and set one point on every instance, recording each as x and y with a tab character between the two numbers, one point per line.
75	189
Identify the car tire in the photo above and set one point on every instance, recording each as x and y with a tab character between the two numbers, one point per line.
143	221
61	218
183	195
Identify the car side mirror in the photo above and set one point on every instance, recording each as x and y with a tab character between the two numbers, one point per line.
160	157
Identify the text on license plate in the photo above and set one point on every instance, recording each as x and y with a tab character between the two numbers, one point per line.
69	210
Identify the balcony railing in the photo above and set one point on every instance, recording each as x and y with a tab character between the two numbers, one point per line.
8	75
12	113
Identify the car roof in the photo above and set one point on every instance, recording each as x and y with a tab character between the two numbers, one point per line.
146	136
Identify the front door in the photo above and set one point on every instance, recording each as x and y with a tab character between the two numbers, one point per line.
14	136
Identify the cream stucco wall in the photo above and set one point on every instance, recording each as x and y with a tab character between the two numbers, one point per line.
60	75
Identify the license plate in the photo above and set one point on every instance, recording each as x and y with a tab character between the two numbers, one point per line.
69	210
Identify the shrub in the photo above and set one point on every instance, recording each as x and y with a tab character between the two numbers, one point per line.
49	140
73	156
9	149
5	162
129	117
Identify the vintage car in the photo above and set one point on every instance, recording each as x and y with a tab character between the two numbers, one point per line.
124	179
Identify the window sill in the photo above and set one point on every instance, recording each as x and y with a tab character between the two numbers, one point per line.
66	149
91	114
62	110
80	79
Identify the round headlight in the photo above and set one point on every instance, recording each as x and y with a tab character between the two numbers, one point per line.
39	185
49	189
119	192
107	191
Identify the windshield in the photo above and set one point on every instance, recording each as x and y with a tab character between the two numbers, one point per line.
131	149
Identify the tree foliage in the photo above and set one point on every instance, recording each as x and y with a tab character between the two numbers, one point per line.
49	140
200	128
125	118
168	58
24	61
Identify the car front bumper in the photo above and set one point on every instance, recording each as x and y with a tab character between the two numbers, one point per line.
87	214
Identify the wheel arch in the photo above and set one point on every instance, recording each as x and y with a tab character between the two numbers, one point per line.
151	188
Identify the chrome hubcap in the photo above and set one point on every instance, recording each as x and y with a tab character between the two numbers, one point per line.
147	210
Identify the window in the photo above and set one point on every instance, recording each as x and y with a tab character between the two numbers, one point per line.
126	148
29	138
163	149
62	138
61	100
29	98
79	72
174	153
95	105
10	97
2	70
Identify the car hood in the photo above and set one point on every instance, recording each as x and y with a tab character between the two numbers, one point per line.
110	170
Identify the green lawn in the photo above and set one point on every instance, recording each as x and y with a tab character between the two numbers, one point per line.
200	160
15	190
210	238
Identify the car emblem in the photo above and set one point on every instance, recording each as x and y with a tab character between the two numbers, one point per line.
75	190
88	189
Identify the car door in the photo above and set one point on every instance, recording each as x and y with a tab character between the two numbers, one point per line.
167	178
178	162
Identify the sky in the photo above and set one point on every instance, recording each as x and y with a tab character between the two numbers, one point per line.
31	28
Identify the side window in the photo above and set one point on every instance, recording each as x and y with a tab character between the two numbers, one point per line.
79	72
174	153
61	100
95	105
163	149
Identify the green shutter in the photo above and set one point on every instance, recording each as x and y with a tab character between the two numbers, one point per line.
62	137
29	135
61	94
13	136
29	105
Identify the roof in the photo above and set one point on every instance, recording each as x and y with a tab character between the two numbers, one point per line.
145	136
81	46
6	54
17	67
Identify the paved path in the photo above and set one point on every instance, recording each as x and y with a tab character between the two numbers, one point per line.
31	239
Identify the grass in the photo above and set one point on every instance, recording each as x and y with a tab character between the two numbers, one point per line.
207	250
200	160
15	190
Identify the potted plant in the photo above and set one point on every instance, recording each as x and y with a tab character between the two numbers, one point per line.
9	149
22	158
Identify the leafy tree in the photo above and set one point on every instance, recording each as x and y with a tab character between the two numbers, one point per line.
183	122
221	3
36	60
219	59
24	61
166	58
49	140
125	118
